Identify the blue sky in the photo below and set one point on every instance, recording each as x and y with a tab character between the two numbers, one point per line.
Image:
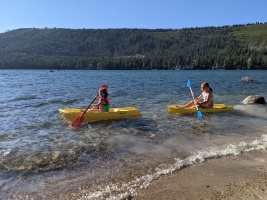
175	14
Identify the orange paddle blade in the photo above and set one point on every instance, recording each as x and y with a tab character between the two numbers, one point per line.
77	121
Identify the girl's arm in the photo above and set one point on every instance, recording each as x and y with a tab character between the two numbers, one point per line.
102	102
199	97
191	103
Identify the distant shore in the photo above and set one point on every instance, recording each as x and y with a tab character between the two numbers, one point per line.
241	46
233	177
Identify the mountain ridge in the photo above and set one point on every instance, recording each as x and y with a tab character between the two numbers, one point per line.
226	47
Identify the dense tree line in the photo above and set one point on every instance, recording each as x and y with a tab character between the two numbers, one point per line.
227	47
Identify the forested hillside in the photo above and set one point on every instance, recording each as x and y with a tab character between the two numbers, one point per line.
228	47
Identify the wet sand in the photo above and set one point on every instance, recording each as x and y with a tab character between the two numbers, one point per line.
238	177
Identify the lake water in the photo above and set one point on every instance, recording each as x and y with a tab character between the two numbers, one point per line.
42	157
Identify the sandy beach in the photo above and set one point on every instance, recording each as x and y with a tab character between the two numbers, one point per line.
233	177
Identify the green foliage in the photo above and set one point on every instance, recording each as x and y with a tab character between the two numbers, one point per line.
228	47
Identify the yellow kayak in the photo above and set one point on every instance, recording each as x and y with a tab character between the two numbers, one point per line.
216	108
90	116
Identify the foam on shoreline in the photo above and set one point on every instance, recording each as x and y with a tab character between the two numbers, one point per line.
123	190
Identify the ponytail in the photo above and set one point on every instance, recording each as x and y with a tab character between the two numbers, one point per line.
210	89
207	85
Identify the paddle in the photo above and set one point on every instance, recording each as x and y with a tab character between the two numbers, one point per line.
199	113
79	120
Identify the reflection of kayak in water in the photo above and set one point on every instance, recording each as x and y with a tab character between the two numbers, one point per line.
89	116
216	108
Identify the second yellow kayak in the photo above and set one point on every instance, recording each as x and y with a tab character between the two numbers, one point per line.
216	108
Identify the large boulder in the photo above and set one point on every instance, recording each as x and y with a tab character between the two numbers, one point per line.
254	99
247	79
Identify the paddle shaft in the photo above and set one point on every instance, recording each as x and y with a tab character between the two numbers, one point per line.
194	98
199	113
89	106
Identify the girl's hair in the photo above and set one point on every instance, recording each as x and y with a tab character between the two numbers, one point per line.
205	84
104	91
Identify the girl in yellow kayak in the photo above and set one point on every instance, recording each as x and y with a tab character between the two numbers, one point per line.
103	101
206	95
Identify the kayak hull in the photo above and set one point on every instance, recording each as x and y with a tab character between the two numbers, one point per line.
91	116
216	108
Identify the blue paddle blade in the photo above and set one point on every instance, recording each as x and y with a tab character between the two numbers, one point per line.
188	83
199	114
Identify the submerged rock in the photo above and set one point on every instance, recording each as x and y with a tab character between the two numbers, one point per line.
254	99
247	79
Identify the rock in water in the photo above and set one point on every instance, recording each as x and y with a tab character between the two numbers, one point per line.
254	99
247	79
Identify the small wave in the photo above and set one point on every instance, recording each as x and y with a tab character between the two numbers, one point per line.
130	189
26	97
58	101
54	101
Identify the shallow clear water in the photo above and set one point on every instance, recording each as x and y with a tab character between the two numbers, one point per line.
42	157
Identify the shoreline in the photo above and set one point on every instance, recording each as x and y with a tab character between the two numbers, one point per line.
243	176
